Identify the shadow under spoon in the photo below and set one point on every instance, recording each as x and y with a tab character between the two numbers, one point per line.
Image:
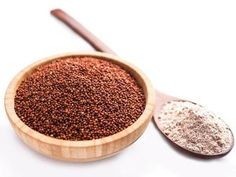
184	129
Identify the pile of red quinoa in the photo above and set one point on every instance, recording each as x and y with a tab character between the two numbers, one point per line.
79	98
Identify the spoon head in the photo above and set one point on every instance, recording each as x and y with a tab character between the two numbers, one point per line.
169	119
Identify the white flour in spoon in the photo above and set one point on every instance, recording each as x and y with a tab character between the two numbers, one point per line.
194	128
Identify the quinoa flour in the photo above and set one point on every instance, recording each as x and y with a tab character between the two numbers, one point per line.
192	127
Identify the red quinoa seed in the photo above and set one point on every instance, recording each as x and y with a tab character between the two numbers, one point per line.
79	98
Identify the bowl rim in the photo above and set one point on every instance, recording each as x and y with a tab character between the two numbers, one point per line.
17	123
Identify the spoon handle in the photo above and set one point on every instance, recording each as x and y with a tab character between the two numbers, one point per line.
98	45
78	28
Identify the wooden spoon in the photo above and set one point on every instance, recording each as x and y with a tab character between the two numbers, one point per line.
161	98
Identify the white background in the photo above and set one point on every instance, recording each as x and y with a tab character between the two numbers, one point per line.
187	49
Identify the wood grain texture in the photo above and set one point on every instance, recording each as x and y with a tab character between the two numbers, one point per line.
88	150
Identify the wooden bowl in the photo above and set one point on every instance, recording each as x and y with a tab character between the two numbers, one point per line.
88	150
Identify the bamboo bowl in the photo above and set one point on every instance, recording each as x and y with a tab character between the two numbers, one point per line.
88	150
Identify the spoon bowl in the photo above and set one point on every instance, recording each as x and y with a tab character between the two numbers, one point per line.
161	100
